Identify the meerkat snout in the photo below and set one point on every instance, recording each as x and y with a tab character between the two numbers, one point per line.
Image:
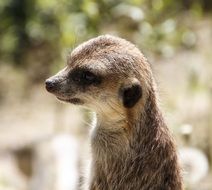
50	85
53	83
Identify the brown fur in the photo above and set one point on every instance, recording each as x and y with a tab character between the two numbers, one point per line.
131	147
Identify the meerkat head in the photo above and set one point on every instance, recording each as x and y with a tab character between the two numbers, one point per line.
106	74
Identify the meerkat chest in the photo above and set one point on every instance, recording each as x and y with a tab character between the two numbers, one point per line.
108	142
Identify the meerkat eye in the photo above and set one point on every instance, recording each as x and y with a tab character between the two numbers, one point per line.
88	77
84	77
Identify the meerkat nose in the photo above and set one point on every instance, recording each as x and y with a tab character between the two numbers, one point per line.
50	85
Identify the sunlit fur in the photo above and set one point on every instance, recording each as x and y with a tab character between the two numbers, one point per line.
131	147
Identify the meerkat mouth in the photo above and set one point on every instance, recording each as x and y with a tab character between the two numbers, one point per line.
71	100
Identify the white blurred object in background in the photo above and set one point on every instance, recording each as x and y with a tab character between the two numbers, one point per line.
193	161
56	164
65	151
195	165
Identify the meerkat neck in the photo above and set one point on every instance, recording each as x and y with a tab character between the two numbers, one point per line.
142	158
149	127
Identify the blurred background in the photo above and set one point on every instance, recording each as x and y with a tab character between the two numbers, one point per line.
44	143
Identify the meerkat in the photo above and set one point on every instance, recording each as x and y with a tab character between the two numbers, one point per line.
131	146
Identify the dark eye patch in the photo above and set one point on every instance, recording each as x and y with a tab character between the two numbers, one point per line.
85	77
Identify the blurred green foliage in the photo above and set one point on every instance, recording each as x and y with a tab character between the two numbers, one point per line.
35	34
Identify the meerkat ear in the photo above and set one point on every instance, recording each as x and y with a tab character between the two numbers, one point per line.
131	94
